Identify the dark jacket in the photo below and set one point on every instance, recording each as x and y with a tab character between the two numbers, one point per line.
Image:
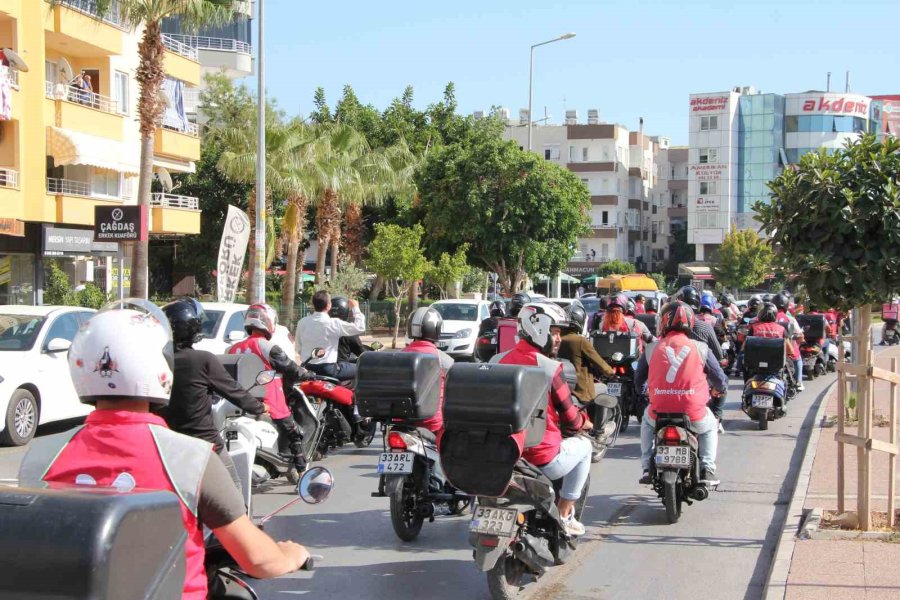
704	332
197	374
486	325
578	350
350	347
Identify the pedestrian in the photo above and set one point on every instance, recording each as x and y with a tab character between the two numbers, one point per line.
579	292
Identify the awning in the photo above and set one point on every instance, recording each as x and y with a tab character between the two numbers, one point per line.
563	277
696	270
69	147
173	165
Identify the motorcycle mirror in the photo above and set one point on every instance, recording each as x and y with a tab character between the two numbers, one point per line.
376	346
315	485
318	353
265	377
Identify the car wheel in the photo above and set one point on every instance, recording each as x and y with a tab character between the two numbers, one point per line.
22	416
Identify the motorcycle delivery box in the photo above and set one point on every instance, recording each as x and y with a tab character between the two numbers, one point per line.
610	344
764	356
65	541
398	385
244	368
815	327
492	412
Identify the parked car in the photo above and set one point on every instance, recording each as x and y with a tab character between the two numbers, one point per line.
461	321
35	385
224	326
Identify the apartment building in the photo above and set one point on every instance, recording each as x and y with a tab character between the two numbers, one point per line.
620	169
65	149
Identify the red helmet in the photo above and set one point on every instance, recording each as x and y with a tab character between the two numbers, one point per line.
676	316
619	300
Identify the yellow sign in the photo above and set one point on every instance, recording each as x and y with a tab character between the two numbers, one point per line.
5	274
114	275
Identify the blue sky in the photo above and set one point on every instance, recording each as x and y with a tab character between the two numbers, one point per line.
629	59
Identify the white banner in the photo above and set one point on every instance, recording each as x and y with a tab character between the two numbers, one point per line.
232	248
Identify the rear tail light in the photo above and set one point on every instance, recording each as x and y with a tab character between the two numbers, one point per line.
671	437
489	541
395	441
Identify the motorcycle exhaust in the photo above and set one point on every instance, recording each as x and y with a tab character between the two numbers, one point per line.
700	493
518	547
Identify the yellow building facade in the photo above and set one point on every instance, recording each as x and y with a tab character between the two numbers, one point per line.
69	140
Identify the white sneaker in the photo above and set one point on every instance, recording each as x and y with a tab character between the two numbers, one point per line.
800	388
721	429
573	527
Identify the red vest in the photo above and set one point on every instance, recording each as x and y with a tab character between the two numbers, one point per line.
677	378
123	447
507	334
708	318
274	399
767	330
436	423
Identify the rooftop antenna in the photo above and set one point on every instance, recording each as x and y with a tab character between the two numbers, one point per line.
847	85
828	82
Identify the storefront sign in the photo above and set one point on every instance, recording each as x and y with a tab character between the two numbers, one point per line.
63	241
717	104
12	227
580	269
235	236
120	223
708	172
114	277
706	204
5	270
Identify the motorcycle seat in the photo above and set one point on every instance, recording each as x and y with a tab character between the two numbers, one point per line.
606	401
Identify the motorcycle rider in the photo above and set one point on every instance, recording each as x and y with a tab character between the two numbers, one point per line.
197	375
498	311
578	350
728	307
679	373
766	326
597	317
508	327
637	325
540	326
753	305
349	346
123	445
639	308
319	330
702	331
652	306
824	343
424	327
794	332
260	324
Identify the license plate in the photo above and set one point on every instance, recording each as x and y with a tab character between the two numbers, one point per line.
494	521
614	389
726	345
396	463
762	401
494	340
673	456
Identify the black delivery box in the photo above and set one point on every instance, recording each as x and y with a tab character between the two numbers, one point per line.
814	327
83	542
607	344
764	355
650	321
398	385
244	369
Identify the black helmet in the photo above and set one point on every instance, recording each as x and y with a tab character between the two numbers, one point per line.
652	304
726	299
768	313
812	307
518	300
690	296
186	318
425	324
577	316
780	301
630	308
754	303
340	308
787	294
604	303
498	309
766	298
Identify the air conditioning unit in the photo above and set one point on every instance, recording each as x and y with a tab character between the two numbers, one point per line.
478	114
571	117
504	114
593	116
523	116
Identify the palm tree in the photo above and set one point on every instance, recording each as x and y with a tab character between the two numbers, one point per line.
150	14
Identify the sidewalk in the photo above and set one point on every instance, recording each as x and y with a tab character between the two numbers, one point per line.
850	570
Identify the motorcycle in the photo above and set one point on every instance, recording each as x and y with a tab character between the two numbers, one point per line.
225	580
412	478
486	346
832	357
620	350
675	464
813	360
769	381
730	347
889	334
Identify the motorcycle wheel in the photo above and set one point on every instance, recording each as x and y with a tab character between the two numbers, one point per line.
406	522
820	369
507	579
762	418
368	434
671	497
626	413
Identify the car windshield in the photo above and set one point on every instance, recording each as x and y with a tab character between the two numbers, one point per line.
591	305
18	332
457	312
213	317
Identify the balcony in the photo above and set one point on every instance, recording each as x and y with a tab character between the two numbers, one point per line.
171	214
9	178
85	112
78	28
191	98
210	43
75	202
181	61
220	53
12	200
181	145
113	16
13	76
175	46
677	212
175	201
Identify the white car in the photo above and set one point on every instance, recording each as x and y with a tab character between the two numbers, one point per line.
224	326
35	384
461	321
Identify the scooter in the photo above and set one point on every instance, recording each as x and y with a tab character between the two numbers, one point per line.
813	360
889	334
675	464
765	398
620	350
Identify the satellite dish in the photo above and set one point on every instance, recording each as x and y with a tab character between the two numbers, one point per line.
166	99
15	61
66	69
165	179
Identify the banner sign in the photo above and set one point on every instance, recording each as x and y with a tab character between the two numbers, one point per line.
232	248
65	241
120	223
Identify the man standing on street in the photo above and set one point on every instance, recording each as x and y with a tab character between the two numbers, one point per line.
319	330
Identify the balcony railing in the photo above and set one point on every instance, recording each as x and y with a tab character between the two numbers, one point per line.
603	226
191	129
178	47
173	201
9	178
113	15
191	99
12	75
210	43
68	187
69	93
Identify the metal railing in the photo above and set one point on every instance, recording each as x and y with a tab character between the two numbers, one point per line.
191	129
603	225
9	178
113	14
191	98
211	43
68	187
174	201
12	75
180	48
70	93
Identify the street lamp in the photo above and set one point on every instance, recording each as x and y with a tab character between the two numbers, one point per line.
260	265
566	36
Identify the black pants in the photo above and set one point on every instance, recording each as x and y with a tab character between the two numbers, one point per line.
291	432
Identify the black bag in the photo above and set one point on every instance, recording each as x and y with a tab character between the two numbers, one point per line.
398	385
90	543
607	344
244	368
814	327
765	356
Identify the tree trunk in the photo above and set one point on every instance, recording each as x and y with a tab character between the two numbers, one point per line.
295	229
397	306
335	249
140	260
251	249
328	222
320	260
354	234
377	286
412	296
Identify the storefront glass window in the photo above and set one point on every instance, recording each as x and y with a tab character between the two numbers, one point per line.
16	279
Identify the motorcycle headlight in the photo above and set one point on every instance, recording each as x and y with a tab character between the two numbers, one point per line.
462	333
617	356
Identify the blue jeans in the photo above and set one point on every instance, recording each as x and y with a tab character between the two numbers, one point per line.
707	430
798	369
572	464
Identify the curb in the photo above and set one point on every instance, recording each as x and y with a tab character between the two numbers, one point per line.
776	582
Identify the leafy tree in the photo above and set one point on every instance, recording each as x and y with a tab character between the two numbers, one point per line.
615	267
518	213
396	254
660	280
743	260
449	269
57	290
679	251
349	281
90	297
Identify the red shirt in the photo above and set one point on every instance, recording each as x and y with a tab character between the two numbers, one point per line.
676	379
436	423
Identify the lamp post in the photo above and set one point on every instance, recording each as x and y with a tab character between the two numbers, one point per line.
260	265
566	36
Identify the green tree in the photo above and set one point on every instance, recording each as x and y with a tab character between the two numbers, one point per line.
349	281
396	254
679	251
743	260
615	267
90	297
660	280
151	75
449	269
518	213
57	289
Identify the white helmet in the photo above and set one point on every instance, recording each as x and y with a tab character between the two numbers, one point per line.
535	321
262	318
124	352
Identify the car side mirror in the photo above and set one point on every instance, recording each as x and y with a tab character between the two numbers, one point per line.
235	336
58	345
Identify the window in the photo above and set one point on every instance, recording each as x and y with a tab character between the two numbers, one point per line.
551	152
708	188
604	251
585	154
709	155
709	123
65	327
572	153
485	312
104	183
235	323
605	217
121	92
